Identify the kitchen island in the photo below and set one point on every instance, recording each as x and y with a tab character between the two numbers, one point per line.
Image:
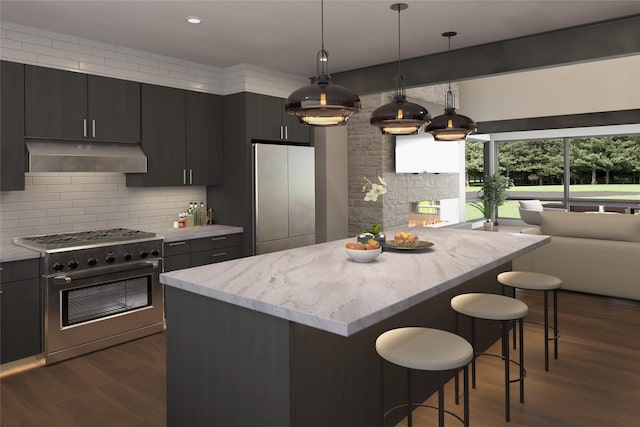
287	338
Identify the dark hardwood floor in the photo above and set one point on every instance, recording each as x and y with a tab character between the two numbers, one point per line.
594	383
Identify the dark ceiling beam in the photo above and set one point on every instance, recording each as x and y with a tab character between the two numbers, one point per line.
607	39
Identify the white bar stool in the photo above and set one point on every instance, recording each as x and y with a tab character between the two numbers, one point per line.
426	349
505	310
538	282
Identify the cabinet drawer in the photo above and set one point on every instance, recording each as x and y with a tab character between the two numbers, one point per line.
20	270
177	262
177	248
218	255
216	242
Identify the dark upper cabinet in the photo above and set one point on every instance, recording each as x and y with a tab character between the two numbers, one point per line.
114	109
267	120
163	137
181	137
204	138
20	308
12	152
66	105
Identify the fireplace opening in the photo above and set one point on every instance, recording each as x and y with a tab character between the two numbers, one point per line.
433	213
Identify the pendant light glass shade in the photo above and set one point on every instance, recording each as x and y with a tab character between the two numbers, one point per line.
400	117
450	126
323	103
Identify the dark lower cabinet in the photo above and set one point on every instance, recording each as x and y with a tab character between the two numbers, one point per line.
202	251
20	310
12	126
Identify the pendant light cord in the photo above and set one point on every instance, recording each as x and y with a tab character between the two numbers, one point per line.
399	41
322	23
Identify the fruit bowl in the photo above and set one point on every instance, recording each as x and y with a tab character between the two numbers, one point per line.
406	240
362	255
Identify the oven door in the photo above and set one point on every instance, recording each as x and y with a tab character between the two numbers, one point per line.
99	308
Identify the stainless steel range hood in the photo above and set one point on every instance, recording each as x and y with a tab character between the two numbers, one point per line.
74	156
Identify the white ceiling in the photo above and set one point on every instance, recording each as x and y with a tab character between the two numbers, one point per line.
285	35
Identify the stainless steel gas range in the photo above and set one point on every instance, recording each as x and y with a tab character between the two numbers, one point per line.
99	287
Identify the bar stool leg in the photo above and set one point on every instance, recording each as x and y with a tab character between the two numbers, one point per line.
522	374
473	361
465	384
555	323
409	400
507	381
440	399
382	392
456	383
546	330
513	295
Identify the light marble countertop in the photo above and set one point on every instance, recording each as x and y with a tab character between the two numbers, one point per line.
319	286
177	234
12	252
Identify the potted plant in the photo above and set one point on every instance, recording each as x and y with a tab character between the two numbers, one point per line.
372	191
492	194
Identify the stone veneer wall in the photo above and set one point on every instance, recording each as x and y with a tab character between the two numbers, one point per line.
372	154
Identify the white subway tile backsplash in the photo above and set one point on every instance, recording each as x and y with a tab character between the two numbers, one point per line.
64	188
65	64
10	44
35	222
70	40
77	196
88	179
97	69
78	219
142	60
132	75
98	45
10	26
28	38
116	63
155	71
18	56
44	179
84	57
110	54
72	47
44	50
53	204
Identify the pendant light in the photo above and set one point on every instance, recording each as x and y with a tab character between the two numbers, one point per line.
400	117
451	126
323	103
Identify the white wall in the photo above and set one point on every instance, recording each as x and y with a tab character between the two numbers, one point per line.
606	85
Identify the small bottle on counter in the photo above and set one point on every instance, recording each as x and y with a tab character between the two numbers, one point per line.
202	214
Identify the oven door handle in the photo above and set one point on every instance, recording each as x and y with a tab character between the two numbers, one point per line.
61	280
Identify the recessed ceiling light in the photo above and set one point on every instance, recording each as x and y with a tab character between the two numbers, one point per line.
193	20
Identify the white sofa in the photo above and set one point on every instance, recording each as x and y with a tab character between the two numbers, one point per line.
594	253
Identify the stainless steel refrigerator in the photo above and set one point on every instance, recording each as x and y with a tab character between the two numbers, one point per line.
284	197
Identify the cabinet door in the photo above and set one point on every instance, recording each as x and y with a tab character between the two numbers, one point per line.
12	126
55	103
264	115
163	137
204	142
20	332
294	131
114	109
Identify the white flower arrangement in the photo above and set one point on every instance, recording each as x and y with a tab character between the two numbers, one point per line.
374	190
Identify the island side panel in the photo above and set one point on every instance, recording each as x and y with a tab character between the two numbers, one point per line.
335	380
226	365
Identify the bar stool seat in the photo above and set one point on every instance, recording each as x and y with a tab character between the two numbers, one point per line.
538	282
426	349
500	308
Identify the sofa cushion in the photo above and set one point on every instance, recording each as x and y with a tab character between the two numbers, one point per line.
620	227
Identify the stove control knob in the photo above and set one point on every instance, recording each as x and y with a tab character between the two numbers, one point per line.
155	252
110	258
58	266
73	264
144	253
92	261
127	256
